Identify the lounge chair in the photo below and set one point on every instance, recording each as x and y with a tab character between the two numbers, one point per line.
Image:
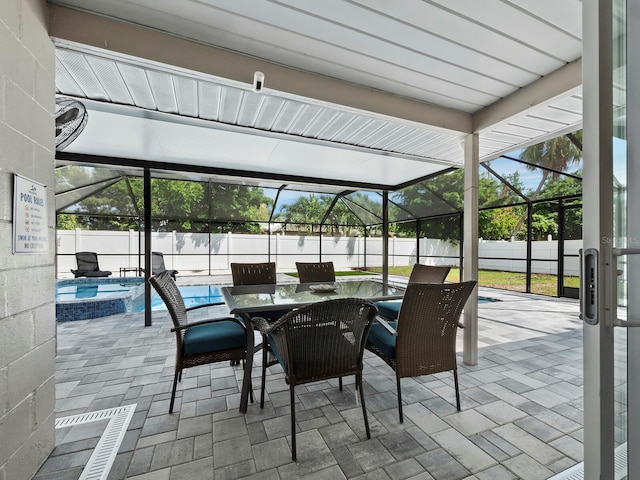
88	266
157	265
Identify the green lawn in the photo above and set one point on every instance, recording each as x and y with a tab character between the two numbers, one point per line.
346	273
540	283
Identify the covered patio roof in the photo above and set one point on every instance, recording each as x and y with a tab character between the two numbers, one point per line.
371	95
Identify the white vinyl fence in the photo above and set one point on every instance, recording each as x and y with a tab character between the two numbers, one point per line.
201	253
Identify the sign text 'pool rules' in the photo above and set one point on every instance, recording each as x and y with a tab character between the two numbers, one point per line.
30	233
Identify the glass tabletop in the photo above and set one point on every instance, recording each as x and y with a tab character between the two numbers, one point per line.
281	296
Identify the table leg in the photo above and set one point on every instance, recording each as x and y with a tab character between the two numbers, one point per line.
248	365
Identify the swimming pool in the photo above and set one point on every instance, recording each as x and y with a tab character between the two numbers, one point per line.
85	298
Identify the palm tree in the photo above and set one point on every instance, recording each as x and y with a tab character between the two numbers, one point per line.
557	155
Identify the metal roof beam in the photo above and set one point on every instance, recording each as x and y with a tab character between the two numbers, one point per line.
535	95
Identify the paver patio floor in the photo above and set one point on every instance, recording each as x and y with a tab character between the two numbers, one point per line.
522	407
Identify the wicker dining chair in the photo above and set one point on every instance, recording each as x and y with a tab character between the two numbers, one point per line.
258	274
424	341
202	342
320	341
389	309
309	272
253	273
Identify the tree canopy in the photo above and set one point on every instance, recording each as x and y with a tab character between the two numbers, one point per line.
198	206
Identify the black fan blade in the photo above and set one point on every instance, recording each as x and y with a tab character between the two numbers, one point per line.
67	116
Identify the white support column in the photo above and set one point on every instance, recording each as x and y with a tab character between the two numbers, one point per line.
597	201
471	165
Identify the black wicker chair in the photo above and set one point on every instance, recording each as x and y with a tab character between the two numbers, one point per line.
309	272
201	342
88	266
425	339
253	273
258	274
320	341
389	309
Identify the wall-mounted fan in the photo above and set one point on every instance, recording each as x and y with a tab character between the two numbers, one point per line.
71	118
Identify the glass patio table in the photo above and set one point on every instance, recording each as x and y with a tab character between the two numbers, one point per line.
249	300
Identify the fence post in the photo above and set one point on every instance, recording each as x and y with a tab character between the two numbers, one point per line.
130	252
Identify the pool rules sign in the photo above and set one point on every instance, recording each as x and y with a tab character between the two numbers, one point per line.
30	233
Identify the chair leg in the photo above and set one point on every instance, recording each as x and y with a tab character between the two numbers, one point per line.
250	384
264	369
293	423
177	374
364	409
455	380
399	399
340	383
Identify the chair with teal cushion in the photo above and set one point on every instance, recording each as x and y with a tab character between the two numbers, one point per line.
389	309
423	340
320	341
202	342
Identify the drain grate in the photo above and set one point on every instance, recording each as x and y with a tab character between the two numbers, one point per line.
99	465
577	471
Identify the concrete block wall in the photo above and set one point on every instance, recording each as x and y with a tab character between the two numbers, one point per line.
27	309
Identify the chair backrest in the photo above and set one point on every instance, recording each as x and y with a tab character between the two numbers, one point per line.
427	327
429	273
253	273
309	272
87	261
323	340
157	263
171	296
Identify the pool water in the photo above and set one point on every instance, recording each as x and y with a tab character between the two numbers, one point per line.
193	295
75	292
84	298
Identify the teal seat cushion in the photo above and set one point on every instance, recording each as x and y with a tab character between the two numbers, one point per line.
213	337
274	350
382	340
389	308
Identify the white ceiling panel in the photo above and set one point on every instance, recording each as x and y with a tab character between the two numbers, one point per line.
516	24
165	139
554	113
473	35
561	14
463	55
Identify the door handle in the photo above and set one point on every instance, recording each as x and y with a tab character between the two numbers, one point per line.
589	297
